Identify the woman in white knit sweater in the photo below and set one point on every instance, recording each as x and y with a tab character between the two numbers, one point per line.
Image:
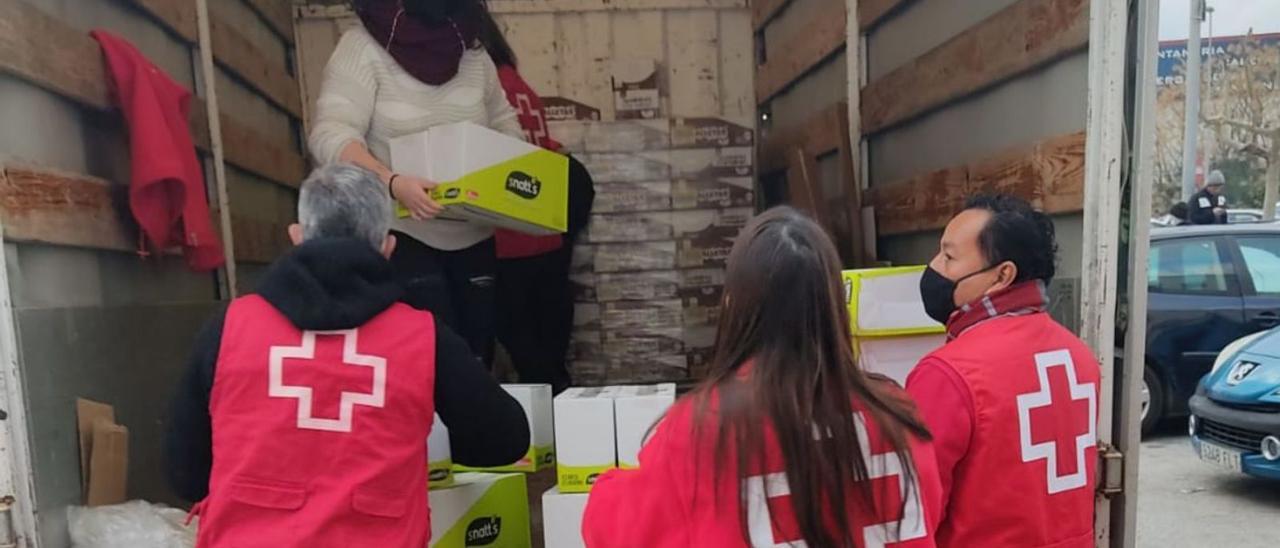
415	64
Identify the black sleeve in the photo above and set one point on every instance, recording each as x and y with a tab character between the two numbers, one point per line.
487	427
1198	214
189	436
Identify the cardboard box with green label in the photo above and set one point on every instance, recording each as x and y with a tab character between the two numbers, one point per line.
891	331
599	429
487	177
481	510
535	399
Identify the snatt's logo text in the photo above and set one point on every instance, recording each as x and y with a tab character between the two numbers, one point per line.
523	185
484	531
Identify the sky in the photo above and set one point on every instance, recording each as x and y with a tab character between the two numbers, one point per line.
1230	18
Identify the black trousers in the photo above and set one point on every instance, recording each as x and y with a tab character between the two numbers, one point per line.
535	311
458	287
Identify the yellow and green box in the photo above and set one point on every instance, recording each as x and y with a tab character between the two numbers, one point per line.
885	302
487	177
481	510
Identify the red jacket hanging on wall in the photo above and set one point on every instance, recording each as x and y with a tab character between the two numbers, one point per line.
166	187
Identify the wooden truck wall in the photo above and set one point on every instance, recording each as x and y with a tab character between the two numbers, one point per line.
656	98
90	317
941	100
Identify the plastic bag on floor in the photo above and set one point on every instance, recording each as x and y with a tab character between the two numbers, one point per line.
136	524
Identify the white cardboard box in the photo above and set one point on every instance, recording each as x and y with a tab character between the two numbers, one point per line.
487	177
535	399
481	510
886	301
896	356
439	455
584	428
637	409
562	518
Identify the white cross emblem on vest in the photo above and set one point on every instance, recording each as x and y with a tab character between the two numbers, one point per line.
304	394
759	489
1058	397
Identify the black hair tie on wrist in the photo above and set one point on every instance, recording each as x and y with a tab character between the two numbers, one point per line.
391	189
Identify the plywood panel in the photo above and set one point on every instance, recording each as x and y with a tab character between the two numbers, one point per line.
823	36
278	14
41	205
763	11
1046	102
703	52
232	50
582	50
919	27
46	52
639	34
693	70
871	12
59	208
530	35
571	6
737	65
317	37
1049	174
1022	37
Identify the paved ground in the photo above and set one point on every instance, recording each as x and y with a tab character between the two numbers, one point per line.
1184	502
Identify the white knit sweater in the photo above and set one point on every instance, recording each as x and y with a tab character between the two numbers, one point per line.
368	98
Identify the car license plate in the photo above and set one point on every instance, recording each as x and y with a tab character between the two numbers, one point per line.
1221	456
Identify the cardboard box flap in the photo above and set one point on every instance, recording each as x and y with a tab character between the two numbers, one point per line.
88	413
108	464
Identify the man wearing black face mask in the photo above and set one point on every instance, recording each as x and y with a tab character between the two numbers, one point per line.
1012	397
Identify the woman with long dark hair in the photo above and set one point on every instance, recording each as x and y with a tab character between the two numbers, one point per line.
413	65
787	441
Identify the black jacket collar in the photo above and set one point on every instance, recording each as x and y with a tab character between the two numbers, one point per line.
331	283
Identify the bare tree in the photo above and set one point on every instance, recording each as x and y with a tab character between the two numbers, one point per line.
1244	110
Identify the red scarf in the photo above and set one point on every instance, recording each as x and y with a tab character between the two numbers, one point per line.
1020	299
430	52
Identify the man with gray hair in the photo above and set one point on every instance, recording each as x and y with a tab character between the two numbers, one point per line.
1209	206
304	414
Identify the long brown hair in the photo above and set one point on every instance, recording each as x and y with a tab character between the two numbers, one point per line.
784	316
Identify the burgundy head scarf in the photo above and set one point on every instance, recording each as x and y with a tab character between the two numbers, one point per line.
429	51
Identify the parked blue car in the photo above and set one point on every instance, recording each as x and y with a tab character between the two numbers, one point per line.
1235	412
1208	286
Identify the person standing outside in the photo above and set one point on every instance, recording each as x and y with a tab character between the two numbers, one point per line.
1209	206
1012	397
410	66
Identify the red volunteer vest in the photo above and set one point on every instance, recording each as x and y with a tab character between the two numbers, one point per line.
682	497
511	244
319	438
1027	480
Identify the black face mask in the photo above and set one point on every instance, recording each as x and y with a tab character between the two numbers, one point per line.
939	293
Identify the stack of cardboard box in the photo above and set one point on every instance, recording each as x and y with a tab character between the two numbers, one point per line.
891	331
671	197
597	430
490	506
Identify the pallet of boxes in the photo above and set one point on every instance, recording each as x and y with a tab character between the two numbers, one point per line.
672	194
597	430
891	331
